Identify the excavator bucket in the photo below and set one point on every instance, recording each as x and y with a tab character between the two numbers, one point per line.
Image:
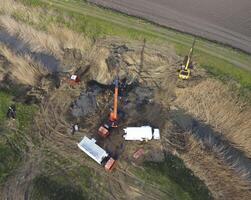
185	74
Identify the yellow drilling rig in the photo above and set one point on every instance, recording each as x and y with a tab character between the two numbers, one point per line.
185	71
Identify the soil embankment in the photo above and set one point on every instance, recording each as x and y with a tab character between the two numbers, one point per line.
208	19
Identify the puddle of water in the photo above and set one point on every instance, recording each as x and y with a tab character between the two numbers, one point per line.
20	48
215	141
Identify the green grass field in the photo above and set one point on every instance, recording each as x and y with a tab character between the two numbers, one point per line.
12	137
63	178
174	178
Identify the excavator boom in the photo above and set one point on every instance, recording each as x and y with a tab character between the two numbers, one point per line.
114	114
116	93
190	54
104	130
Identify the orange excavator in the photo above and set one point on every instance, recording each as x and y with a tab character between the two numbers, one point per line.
104	130
114	114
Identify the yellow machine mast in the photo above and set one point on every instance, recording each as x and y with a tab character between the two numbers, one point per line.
186	72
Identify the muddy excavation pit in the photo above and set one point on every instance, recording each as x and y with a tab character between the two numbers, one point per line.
136	107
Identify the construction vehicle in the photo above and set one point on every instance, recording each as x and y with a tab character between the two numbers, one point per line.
140	152
104	130
185	71
114	114
98	154
142	133
72	80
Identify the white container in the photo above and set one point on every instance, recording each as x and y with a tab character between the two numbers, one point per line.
141	133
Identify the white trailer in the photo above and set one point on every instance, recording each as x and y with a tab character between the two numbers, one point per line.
141	133
98	154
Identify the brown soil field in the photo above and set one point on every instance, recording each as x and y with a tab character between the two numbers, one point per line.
226	21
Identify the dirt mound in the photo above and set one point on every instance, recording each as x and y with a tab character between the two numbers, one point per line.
144	95
72	59
108	61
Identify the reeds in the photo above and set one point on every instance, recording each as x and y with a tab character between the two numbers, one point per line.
212	102
38	41
219	178
22	68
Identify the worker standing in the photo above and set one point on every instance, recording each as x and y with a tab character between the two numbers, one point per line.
74	128
11	112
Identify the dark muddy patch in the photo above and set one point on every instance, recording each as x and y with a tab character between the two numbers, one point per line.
84	105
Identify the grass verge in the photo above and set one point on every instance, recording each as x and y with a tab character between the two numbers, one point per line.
63	178
173	175
46	187
13	134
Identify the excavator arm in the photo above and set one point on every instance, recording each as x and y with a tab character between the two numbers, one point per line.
104	130
114	113
190	55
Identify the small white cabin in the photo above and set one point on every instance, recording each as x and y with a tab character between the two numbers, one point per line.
141	133
74	77
92	149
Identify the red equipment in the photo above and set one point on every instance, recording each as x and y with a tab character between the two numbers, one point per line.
138	153
103	131
109	166
73	80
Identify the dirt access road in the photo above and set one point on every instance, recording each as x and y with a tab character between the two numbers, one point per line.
225	21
